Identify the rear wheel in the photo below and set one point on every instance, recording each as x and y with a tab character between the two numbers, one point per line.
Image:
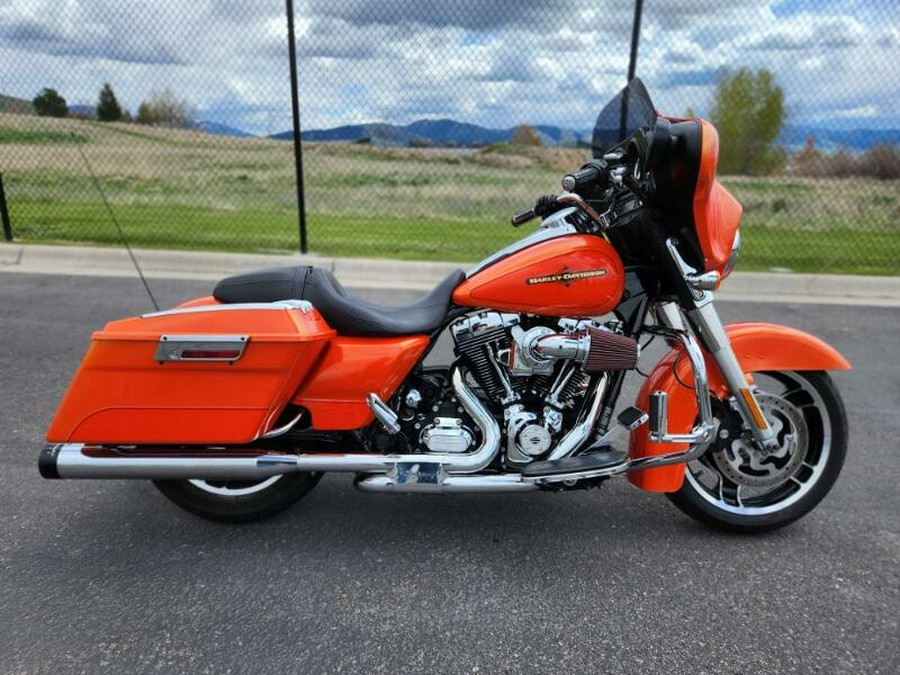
238	501
736	486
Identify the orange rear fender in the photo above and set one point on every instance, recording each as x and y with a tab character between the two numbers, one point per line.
759	347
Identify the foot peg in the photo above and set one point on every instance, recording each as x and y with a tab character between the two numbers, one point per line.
628	420
659	415
590	464
659	423
383	413
631	418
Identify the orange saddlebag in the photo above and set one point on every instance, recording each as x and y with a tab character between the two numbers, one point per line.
197	375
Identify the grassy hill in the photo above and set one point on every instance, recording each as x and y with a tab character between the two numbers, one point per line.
15	106
188	189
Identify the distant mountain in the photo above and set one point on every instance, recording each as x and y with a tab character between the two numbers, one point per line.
449	133
831	140
17	106
83	111
556	136
438	133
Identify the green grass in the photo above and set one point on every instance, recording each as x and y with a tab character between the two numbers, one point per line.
155	138
33	136
257	230
187	190
838	250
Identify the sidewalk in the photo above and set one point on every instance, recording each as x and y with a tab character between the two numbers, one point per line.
399	274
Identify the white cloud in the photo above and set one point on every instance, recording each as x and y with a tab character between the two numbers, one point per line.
497	64
857	113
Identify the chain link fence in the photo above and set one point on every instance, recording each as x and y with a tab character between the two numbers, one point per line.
427	123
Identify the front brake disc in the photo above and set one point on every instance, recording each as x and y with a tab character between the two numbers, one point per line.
742	462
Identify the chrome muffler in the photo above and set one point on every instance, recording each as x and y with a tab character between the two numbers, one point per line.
79	460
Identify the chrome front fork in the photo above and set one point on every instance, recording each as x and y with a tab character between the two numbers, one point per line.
707	326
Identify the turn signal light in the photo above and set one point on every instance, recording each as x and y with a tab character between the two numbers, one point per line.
708	281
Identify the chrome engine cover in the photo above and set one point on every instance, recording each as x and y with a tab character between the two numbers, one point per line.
533	440
447	434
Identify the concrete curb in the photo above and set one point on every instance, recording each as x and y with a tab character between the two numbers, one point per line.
406	275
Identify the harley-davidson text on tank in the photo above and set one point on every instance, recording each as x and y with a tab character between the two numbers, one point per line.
566	277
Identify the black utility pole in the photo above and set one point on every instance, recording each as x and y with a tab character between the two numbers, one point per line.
635	38
4	213
295	106
632	64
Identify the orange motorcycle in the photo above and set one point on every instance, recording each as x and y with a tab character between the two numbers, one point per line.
236	404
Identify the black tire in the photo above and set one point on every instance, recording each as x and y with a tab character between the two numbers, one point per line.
806	481
249	500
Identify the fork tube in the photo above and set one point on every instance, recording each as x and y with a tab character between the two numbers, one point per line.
708	326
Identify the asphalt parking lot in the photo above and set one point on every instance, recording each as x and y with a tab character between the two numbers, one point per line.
109	577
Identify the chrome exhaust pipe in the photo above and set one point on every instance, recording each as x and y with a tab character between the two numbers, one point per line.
506	482
78	460
580	433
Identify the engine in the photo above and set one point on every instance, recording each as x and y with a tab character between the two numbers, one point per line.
533	374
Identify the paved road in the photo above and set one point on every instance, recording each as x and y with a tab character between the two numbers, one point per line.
108	577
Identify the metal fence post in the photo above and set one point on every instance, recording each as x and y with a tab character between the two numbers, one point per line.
295	107
4	213
635	39
632	65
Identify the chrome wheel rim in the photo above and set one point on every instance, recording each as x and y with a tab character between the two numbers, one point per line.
234	488
744	481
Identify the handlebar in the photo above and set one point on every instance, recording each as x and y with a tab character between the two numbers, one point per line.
542	208
623	168
551	203
522	218
593	173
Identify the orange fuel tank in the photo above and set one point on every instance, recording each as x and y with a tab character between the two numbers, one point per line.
571	275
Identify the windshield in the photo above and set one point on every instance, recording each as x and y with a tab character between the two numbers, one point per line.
628	111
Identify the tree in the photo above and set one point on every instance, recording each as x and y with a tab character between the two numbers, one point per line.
49	103
163	109
144	114
809	161
881	161
525	134
748	111
108	108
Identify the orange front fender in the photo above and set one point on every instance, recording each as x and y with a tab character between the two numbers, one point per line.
758	347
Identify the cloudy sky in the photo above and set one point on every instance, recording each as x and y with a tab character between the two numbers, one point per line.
487	62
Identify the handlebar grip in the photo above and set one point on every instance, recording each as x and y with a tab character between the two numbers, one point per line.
522	218
589	173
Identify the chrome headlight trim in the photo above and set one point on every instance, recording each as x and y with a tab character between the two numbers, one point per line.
733	256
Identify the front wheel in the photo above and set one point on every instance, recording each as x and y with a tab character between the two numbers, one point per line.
238	501
737	487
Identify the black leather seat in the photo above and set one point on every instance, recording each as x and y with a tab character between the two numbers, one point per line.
347	314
